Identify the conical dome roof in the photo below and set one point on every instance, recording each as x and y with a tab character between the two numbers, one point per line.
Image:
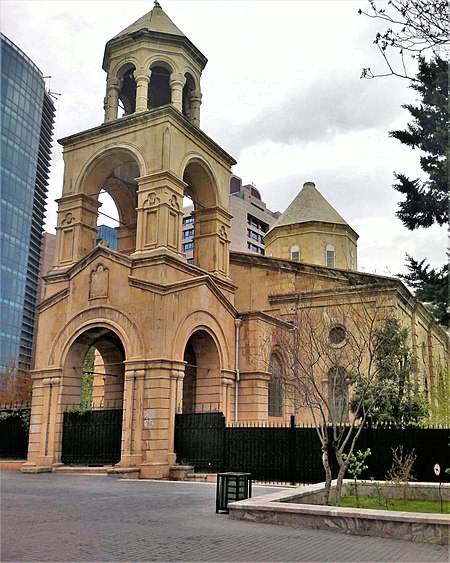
309	205
155	20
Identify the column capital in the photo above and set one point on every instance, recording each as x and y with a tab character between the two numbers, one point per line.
142	74
177	78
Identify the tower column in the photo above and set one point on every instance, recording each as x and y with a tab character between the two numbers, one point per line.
177	82
112	99
142	77
196	101
212	240
160	213
77	228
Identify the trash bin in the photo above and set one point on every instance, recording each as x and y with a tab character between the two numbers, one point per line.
230	487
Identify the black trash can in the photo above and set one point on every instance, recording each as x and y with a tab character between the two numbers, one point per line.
230	487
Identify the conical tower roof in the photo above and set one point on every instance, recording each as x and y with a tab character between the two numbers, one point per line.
155	23
156	20
309	205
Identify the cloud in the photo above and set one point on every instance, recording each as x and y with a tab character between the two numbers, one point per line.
318	110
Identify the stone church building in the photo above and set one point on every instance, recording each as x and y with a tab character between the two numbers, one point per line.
172	336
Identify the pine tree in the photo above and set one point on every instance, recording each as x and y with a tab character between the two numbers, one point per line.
427	201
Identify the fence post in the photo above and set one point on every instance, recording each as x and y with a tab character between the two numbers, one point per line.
292	452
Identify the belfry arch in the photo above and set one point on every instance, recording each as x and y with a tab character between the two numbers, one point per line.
114	171
212	221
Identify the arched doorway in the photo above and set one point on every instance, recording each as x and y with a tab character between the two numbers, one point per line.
202	379
92	399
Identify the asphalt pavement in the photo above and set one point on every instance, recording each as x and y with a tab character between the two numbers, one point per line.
58	517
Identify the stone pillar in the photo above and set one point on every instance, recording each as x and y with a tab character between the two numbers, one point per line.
132	425
45	423
196	100
176	378
211	240
126	238
160	214
111	104
228	379
77	228
253	395
177	82
142	77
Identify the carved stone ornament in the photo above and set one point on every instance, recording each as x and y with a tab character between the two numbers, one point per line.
99	282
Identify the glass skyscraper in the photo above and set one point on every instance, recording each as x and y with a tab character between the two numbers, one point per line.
27	116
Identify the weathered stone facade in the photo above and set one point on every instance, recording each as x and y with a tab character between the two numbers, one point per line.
170	336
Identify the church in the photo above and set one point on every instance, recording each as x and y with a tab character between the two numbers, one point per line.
173	336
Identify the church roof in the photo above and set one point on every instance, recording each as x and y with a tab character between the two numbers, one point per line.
309	205
156	20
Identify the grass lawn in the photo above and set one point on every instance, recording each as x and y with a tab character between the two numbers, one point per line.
396	504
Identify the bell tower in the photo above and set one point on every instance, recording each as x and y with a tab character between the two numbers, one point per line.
148	154
143	307
149	64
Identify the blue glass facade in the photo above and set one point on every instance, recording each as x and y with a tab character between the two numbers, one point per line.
27	115
109	234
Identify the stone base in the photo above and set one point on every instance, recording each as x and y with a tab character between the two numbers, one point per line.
154	470
11	465
202	477
180	472
33	468
124	472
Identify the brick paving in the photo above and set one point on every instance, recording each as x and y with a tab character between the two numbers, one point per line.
95	518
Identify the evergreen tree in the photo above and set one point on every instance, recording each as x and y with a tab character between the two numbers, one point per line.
427	202
393	398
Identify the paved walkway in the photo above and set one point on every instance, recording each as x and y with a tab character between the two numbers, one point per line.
53	517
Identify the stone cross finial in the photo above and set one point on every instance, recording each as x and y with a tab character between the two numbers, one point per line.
157	4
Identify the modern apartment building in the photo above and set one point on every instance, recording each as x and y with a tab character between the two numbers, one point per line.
251	220
27	116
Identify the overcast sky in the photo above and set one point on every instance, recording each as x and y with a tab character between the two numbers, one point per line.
281	93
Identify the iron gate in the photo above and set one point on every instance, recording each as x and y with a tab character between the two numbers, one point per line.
199	440
92	437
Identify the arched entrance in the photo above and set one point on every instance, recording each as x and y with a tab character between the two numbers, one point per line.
202	379
92	399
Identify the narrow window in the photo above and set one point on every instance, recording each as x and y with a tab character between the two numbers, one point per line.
338	395
330	252
295	253
275	396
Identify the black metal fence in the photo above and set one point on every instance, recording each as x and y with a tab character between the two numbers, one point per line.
92	437
292	454
14	431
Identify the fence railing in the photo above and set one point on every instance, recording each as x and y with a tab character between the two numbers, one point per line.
292	454
14	431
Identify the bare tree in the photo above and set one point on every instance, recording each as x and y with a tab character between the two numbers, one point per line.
330	349
414	27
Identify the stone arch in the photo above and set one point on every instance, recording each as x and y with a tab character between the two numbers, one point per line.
201	320
203	348
159	89
118	153
114	170
201	182
127	86
94	317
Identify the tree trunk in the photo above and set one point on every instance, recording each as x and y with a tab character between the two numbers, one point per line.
339	482
328	475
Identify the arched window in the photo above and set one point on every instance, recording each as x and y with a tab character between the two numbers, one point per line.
275	396
330	256
338	394
295	253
